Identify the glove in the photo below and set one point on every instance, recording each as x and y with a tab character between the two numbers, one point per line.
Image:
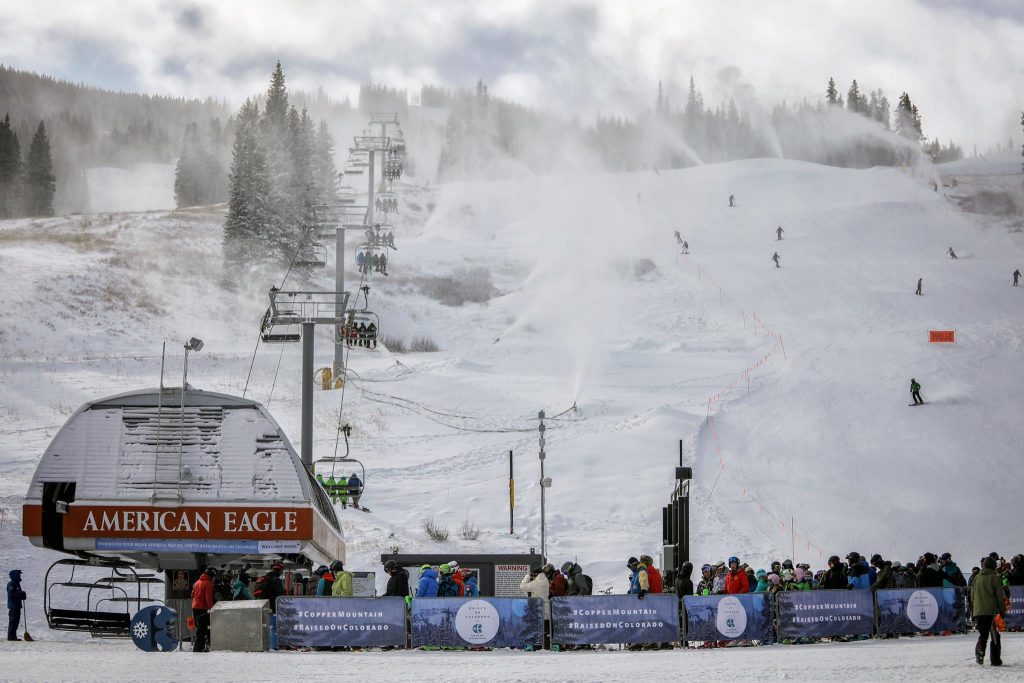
641	594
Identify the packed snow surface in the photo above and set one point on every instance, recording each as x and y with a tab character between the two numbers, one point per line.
906	659
788	387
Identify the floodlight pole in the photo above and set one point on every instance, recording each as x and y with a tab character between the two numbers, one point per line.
544	483
372	188
308	328
339	291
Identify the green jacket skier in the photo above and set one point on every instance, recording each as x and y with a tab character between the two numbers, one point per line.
915	391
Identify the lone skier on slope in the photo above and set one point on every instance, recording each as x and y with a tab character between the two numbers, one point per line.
918	292
686	247
1016	276
732	200
778	233
679	238
915	392
776	257
952	254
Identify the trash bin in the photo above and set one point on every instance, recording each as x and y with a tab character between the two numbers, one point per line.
240	626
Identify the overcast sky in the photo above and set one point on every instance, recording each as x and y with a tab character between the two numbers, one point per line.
962	62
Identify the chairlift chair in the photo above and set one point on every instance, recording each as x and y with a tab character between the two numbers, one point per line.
352	168
361	329
312	256
284	329
329	476
381	236
102	616
346	194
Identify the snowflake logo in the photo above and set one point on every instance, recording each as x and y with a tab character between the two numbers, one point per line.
140	629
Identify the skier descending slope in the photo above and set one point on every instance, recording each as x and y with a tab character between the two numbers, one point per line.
776	257
778	233
915	392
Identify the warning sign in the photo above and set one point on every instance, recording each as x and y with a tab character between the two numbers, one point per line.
507	578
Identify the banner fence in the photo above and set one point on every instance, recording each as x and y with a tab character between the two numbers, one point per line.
1015	615
341	622
478	622
825	613
916	610
625	619
745	616
610	619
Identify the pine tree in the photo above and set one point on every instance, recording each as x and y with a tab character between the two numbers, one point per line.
831	92
189	174
326	172
248	188
908	120
40	183
855	101
10	169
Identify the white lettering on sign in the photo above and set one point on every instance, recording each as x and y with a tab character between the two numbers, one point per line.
146	520
256	521
262	520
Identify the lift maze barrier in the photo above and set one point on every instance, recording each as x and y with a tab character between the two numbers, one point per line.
919	610
1014	616
478	622
825	613
745	616
341	622
613	619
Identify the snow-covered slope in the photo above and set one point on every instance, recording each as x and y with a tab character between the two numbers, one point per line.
788	387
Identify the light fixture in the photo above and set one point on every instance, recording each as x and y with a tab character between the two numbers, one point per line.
194	344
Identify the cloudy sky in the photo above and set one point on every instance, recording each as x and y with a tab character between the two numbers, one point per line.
962	61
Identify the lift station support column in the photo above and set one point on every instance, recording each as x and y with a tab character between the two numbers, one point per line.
308	337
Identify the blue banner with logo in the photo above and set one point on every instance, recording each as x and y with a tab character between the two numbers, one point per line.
340	622
914	610
745	616
1014	617
608	619
477	622
826	613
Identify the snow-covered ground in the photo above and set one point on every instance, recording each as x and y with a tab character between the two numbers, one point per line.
788	387
906	659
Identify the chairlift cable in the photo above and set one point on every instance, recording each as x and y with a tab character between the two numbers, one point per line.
274	383
259	335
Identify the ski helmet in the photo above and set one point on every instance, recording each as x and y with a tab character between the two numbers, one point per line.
733	559
337	566
390	566
445	569
566	567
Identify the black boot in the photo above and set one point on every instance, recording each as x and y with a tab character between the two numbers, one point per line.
979	655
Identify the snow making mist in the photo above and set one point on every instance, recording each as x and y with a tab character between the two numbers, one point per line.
579	244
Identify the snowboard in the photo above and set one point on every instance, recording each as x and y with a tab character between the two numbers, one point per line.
916	404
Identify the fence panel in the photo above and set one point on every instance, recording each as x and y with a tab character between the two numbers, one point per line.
610	619
340	622
1015	615
746	616
478	622
915	610
826	613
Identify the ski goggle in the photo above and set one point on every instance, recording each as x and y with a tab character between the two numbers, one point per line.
706	568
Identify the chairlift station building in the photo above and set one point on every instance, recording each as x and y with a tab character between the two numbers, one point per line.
137	476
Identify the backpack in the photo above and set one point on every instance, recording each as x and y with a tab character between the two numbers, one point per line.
590	585
261	591
447	588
